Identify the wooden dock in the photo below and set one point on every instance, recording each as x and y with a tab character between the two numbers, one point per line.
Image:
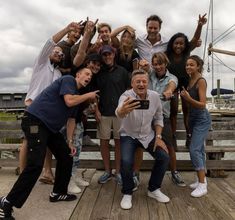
102	201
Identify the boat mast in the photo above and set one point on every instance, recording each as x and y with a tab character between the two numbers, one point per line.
212	41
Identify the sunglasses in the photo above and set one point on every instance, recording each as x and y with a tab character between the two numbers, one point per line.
58	53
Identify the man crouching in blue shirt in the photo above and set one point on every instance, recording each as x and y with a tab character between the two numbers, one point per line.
141	126
41	124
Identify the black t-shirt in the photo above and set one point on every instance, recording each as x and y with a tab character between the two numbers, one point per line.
127	64
178	69
111	83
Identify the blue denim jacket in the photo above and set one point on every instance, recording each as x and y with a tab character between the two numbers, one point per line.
159	85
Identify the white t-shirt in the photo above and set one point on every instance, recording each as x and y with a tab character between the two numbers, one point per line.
43	72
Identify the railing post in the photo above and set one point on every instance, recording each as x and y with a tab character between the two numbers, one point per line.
218	92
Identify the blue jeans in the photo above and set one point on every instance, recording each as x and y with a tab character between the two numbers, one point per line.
77	142
77	137
199	123
128	148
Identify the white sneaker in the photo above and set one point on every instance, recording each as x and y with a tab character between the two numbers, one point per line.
81	182
159	196
195	184
73	188
201	190
126	202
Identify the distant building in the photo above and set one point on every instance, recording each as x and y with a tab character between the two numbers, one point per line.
12	101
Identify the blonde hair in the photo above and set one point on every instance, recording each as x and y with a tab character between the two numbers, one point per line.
161	58
128	49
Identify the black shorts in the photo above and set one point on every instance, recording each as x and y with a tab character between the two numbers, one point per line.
167	135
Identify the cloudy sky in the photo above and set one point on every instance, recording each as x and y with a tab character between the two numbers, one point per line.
25	25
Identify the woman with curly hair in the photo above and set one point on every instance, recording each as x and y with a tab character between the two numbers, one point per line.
178	50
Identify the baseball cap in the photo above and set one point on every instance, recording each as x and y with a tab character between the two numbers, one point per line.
106	49
93	57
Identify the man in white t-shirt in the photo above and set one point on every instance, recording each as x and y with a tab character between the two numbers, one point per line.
45	71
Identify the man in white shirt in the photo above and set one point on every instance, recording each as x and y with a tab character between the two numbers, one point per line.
152	42
141	128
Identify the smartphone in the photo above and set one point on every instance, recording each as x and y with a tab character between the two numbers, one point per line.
163	98
144	104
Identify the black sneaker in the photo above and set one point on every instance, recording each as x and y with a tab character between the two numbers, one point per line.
5	210
54	197
177	179
188	140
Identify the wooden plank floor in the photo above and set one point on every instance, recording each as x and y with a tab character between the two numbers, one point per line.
103	201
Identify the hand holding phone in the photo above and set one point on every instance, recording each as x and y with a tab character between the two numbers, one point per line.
144	104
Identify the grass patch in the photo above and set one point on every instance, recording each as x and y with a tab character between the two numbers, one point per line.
6	116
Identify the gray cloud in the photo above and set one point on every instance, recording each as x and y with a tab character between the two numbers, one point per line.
26	24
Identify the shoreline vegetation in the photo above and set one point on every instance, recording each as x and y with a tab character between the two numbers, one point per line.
9	116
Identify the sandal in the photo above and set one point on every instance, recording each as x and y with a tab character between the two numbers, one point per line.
46	180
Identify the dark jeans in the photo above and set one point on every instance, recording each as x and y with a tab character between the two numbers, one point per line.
128	147
39	137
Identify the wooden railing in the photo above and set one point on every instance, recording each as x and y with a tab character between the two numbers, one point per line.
220	140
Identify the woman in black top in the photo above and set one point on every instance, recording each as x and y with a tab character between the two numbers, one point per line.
199	121
178	50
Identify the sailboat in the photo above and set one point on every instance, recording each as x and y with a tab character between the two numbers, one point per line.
222	98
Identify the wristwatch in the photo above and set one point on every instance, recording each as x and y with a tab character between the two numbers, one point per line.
69	141
159	136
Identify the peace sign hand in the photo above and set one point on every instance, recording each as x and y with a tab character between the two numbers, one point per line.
202	19
90	25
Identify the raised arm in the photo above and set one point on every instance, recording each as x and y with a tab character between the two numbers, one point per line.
114	34
120	29
74	26
196	37
82	50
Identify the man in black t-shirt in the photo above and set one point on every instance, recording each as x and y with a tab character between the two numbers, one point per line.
112	81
